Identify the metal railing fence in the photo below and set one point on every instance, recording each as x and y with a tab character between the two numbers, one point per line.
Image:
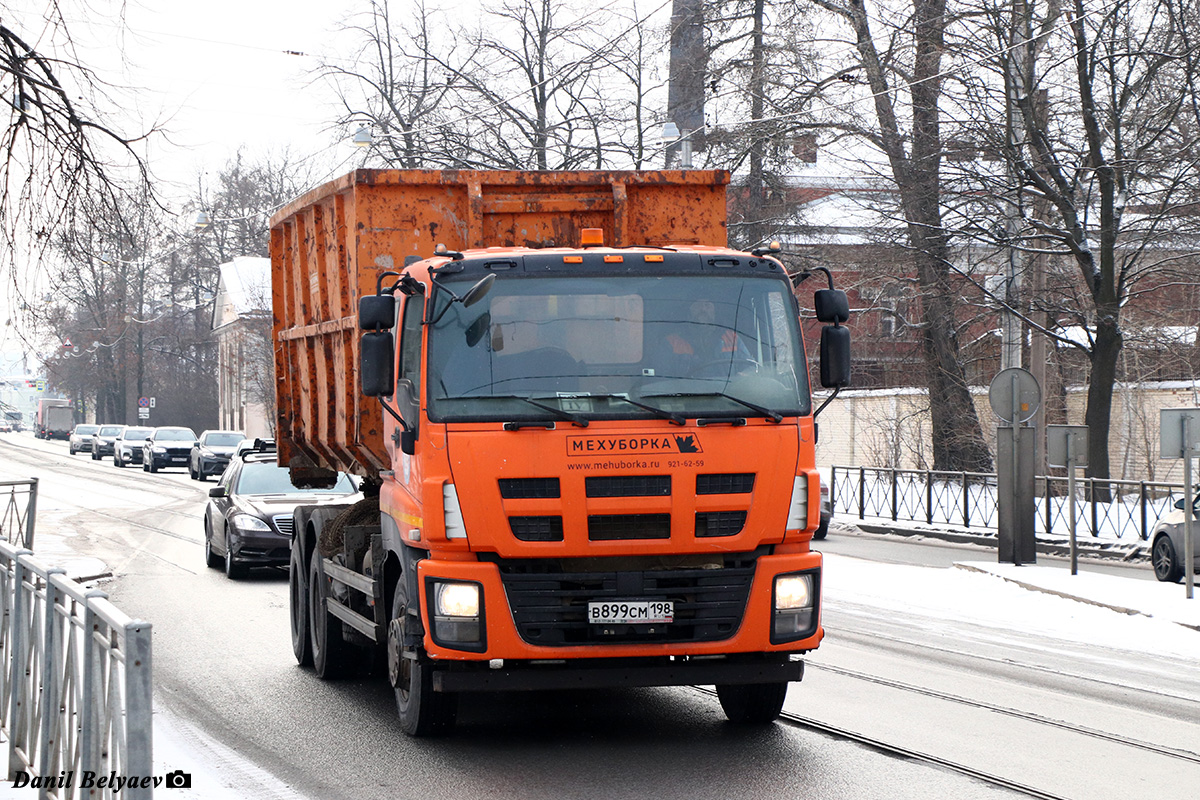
75	690
18	509
968	499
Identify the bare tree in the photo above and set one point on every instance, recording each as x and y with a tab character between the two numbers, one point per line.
1096	129
56	146
905	81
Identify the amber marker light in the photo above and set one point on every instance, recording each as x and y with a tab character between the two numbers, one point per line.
653	258
591	237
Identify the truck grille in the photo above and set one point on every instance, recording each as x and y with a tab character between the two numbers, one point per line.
610	527
523	488
629	486
550	608
537	529
284	523
720	523
725	483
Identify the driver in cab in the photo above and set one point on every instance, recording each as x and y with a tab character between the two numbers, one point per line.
701	342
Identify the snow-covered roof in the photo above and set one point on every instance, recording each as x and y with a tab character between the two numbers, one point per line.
244	289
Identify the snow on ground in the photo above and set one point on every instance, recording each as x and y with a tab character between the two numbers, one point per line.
1044	600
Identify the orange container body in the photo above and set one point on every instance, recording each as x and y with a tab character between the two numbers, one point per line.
329	247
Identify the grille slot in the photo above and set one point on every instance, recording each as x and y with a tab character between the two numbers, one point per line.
610	527
524	488
720	523
551	608
537	529
725	483
284	522
629	486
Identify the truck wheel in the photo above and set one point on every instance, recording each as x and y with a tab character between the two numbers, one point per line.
298	609
423	712
325	630
756	703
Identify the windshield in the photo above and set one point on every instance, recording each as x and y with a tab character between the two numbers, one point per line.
223	439
691	345
137	433
174	435
86	430
267	477
110	430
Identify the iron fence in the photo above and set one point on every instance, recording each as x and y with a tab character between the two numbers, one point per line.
75	693
968	499
18	509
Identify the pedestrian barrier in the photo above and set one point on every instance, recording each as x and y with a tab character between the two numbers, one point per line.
75	690
1105	508
18	508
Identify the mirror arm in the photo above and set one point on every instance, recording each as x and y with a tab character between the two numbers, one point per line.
393	414
828	400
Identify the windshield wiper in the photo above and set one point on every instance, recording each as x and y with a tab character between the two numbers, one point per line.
661	413
766	412
574	419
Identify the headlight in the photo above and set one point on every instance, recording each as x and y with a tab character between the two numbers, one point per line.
246	522
793	591
795	610
158	449
457	599
457	614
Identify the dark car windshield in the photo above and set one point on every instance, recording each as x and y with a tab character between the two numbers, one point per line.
137	433
110	430
222	439
267	477
174	435
692	345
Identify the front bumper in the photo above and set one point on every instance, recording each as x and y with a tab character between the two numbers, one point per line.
260	548
612	673
507	629
210	465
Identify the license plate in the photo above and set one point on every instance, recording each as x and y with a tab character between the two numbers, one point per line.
631	612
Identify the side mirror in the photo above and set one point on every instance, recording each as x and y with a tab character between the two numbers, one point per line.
408	441
217	491
835	356
478	291
1180	503
376	311
376	364
831	306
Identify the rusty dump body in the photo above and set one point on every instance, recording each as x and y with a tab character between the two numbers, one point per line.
592	444
329	246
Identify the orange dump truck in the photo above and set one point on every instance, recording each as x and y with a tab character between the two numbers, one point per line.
584	428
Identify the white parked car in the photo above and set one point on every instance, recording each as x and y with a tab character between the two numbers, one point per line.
1166	548
80	440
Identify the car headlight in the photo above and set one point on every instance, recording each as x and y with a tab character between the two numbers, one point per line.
246	522
158	449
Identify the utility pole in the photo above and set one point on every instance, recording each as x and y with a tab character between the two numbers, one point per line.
688	71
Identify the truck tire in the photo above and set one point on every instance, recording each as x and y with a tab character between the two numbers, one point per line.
423	712
752	703
329	650
298	609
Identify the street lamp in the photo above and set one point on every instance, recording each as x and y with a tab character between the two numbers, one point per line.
203	220
362	137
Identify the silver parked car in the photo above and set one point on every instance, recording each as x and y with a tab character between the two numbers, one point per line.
211	453
80	439
102	442
1166	548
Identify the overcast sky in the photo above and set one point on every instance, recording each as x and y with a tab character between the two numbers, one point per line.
221	74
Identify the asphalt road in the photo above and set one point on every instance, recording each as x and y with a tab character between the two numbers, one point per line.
222	660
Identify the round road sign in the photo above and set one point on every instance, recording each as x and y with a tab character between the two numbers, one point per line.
1015	395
